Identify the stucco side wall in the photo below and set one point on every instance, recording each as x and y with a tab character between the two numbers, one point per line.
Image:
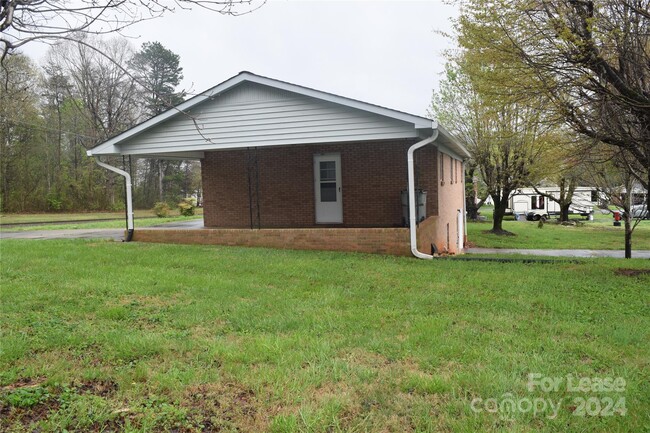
450	201
426	235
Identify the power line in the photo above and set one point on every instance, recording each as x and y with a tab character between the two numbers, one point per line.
42	128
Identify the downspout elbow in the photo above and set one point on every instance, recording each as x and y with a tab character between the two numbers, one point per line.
129	197
411	193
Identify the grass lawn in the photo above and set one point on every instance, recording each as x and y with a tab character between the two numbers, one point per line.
106	336
598	235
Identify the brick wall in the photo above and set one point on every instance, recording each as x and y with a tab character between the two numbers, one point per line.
393	241
372	174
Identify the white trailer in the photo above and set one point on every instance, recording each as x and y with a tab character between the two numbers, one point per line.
534	206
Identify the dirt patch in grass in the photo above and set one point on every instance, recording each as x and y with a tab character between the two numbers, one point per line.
498	233
24	382
224	407
10	415
25	402
99	387
626	272
365	358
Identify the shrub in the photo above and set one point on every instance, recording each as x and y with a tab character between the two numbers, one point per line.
54	202
161	209
187	206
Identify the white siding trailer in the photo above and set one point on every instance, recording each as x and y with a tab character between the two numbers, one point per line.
534	206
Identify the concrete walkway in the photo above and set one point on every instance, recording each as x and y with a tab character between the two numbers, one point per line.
636	254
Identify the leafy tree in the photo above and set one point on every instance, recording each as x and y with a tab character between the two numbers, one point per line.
590	59
157	70
563	165
21	136
505	138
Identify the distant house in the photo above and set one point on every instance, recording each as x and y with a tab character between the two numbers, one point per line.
293	167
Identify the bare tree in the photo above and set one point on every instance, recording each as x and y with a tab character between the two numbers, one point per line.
24	21
615	182
105	91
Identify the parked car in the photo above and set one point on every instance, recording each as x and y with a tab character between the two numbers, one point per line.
639	211
537	214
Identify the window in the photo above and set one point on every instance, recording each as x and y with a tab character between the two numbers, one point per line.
457	163
327	181
442	168
327	171
594	196
328	191
536	202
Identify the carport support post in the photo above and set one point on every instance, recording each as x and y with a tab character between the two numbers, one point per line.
129	198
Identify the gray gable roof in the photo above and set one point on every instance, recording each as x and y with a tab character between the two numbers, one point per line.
251	110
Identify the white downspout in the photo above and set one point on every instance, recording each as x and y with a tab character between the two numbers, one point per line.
464	206
129	200
411	189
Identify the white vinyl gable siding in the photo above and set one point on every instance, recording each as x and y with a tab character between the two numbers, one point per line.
252	114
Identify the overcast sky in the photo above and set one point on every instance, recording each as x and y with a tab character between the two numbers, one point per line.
382	52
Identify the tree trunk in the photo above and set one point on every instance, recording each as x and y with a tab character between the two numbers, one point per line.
500	206
499	213
472	209
628	236
564	212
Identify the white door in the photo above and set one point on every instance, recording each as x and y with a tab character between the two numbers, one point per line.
327	176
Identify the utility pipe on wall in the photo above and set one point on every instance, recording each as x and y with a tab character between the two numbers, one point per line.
411	190
129	200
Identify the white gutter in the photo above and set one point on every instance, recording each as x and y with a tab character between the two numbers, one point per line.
411	189
129	200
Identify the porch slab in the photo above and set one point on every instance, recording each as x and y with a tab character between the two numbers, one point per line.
393	241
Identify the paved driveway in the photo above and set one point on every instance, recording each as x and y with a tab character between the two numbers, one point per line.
117	234
641	254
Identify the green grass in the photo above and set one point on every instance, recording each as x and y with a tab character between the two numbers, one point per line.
100	336
599	234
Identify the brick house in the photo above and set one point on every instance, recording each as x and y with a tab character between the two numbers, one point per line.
289	166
